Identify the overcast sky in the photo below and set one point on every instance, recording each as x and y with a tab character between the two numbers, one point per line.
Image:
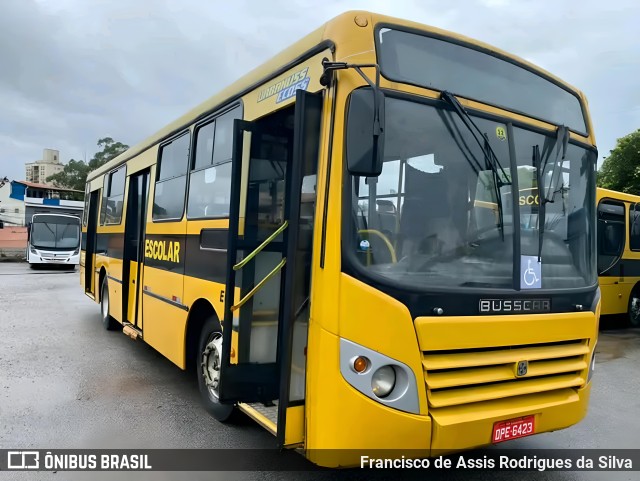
72	71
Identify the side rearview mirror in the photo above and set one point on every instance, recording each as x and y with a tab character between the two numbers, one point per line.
365	132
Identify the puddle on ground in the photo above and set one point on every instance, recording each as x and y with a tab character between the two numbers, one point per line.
618	344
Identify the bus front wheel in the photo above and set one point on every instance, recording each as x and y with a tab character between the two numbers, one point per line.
634	307
209	360
108	322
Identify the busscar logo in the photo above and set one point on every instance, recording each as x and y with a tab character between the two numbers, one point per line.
23	460
503	306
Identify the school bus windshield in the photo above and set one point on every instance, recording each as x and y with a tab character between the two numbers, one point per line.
432	218
469	71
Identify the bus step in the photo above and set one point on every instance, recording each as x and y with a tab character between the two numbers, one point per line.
132	331
268	411
267	416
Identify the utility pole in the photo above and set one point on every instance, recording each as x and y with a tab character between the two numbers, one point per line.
3	181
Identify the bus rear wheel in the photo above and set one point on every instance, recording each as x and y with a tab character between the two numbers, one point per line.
634	307
208	369
108	322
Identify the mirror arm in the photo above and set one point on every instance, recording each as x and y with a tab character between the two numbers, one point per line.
330	67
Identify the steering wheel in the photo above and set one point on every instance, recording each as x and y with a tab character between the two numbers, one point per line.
386	240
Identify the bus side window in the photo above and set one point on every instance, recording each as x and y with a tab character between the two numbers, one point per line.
172	179
210	179
612	239
115	196
634	227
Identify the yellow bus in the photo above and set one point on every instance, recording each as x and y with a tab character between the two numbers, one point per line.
315	242
619	253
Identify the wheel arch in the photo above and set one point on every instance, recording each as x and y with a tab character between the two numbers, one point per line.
101	277
200	311
635	291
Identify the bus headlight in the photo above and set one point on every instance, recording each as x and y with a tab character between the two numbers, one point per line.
381	378
383	381
33	251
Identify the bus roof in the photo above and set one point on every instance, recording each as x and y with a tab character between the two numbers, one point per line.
338	29
613	194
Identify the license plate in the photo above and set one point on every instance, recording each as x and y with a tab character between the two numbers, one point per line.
513	429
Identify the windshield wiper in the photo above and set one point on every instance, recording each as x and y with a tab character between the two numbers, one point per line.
547	195
491	159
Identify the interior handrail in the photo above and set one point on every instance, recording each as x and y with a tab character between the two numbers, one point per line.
257	250
259	285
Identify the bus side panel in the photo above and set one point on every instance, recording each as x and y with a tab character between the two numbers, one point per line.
212	292
206	263
615	295
165	317
110	241
83	262
115	298
113	268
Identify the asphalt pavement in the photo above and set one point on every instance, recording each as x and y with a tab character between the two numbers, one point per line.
66	383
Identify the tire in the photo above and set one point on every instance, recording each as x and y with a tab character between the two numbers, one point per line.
33	266
634	308
108	322
208	357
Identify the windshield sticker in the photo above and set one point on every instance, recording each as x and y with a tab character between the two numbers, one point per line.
531	272
286	88
501	132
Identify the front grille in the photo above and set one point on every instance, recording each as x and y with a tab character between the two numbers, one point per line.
472	375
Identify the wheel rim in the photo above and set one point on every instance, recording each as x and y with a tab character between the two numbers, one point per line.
211	360
634	311
105	303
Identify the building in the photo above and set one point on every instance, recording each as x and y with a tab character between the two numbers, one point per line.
20	199
40	170
11	209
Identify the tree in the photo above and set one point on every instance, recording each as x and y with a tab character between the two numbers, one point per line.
621	170
74	174
110	150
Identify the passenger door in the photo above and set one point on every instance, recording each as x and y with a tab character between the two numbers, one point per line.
611	246
133	256
89	241
268	265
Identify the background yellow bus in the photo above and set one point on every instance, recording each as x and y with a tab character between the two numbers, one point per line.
619	253
313	240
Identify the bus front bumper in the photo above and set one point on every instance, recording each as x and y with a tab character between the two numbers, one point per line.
64	258
463	427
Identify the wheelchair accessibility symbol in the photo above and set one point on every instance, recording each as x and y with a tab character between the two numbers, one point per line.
531	271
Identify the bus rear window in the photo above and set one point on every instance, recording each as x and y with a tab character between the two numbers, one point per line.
442	65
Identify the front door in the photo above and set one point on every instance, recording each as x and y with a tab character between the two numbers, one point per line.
268	264
133	255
